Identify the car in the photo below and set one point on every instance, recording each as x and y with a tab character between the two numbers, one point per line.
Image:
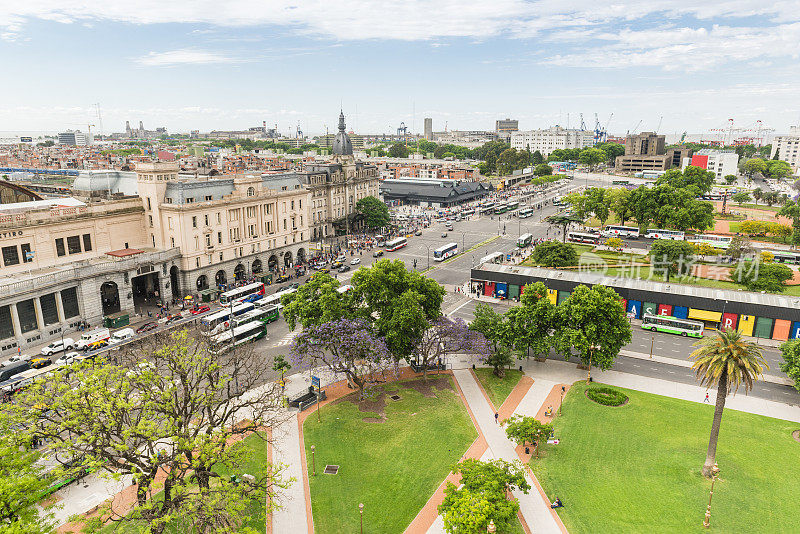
68	358
377	254
174	317
343	268
38	363
283	278
325	270
418	232
58	346
293	286
99	344
146	327
337	264
444	234
200	309
355	261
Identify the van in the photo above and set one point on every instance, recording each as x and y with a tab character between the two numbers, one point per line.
13	370
58	346
90	337
122	335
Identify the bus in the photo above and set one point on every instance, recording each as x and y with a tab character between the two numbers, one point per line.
672	325
467	212
396	243
500	208
267	314
344	289
512	206
782	256
656	233
211	322
275	298
445	251
525	213
494	257
231	338
524	240
631	232
487	210
619	182
256	288
583	237
716	241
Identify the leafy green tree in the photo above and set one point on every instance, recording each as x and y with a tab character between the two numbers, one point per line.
759	276
537	158
725	361
563	222
792	210
533	321
592	157
482	497
489	323
672	257
754	166
555	254
730	178
398	150
316	302
791	361
376	213
543	169
500	359
592	322
739	247
778	169
619	202
779	230
598	203
741	197
280	365
752	228
642	205
524	430
757	194
612	150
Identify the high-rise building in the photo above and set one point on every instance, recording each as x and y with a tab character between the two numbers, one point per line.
647	152
787	148
74	138
720	162
506	125
545	141
428	129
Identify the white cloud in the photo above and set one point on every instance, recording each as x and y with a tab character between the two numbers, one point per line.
185	56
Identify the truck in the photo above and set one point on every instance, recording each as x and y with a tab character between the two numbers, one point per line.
98	334
122	335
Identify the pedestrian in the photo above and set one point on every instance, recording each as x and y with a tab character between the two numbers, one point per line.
706	399
496	418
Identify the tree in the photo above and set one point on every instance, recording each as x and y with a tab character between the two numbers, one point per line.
280	365
347	346
592	157
593	323
555	254
537	158
614	243
398	150
739	248
597	203
619	202
792	210
532	322
612	150
752	228
500	359
564	222
759	276
543	169
725	361
672	257
376	213
778	169
489	323
169	406
754	166
730	178
779	230
449	336
767	256
758	194
741	197
482	497
791	361
316	302
706	249
524	430
697	179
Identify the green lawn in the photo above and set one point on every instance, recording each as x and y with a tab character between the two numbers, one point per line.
498	389
636	468
393	467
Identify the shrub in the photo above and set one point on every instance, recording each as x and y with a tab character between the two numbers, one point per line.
607	396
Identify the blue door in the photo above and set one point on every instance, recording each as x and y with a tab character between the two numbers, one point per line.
501	291
635	307
795	332
681	312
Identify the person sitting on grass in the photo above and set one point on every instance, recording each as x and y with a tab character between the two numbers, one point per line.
557	503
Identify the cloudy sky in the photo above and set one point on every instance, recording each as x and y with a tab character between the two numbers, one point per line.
229	64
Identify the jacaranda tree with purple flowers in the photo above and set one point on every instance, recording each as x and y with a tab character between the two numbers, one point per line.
447	336
348	346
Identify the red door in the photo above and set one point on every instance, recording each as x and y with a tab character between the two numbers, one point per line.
665	309
729	320
488	289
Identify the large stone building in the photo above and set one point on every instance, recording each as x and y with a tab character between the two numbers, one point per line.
647	152
555	138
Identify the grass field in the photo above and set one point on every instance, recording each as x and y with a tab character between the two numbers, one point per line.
394	466
636	468
498	389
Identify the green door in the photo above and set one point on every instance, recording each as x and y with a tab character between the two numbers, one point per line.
763	327
513	291
650	307
562	296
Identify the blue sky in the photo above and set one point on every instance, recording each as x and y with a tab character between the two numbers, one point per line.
224	65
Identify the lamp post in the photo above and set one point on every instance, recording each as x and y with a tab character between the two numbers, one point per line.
429	255
714	475
592	348
652	341
463	241
563	389
313	461
361	514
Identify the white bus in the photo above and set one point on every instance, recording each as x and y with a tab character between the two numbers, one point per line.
583	237
630	232
524	240
256	288
656	233
716	241
275	299
211	322
445	251
267	314
525	213
396	243
494	257
672	325
238	335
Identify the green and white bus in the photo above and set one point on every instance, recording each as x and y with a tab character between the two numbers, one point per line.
672	325
524	240
525	213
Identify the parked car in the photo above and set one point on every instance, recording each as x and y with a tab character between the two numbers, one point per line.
200	309
355	261
377	254
344	268
68	358
90	337
99	344
146	327
172	318
38	363
58	346
283	278
418	232
444	234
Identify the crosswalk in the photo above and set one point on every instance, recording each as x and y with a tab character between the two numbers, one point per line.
287	338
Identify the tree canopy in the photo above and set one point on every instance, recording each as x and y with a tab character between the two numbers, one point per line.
376	213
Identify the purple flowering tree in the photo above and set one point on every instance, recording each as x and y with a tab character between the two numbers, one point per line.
448	336
347	346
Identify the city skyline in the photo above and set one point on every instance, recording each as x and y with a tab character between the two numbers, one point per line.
197	66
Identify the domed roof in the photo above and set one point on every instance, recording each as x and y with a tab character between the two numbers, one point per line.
341	143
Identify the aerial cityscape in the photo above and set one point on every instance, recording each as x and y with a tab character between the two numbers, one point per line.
430	268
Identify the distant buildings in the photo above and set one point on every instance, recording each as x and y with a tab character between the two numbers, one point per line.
428	129
504	128
720	162
433	193
75	138
787	148
554	138
467	138
647	152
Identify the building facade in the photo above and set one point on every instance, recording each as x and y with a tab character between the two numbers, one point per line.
428	129
74	138
787	148
720	162
647	152
545	141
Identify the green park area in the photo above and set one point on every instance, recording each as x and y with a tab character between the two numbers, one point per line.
636	467
392	453
497	388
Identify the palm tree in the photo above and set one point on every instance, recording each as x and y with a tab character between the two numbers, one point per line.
726	361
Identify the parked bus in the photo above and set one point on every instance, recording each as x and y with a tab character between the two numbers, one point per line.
583	237
396	243
275	299
512	206
267	314
656	233
487	210
494	257
256	288
524	240
716	241
630	232
445	251
525	213
672	325
239	335
782	256
211	322
467	212
500	208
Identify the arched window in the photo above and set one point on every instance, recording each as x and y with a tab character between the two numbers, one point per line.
251	191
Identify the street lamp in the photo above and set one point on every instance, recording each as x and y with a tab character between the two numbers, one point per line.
652	341
714	475
592	348
463	240
563	389
361	513
429	255
313	461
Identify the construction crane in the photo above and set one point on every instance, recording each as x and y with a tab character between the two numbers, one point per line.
659	123
99	117
600	133
633	132
683	137
583	124
402	131
299	131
